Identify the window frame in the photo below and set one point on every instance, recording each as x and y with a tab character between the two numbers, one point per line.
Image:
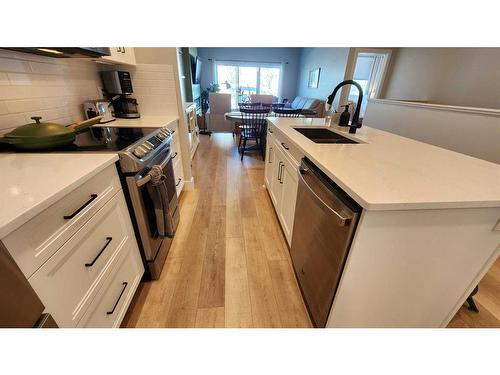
251	64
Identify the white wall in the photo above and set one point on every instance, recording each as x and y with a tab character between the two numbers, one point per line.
55	89
455	76
333	63
287	56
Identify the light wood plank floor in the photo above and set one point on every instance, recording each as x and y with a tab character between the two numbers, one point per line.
229	264
487	301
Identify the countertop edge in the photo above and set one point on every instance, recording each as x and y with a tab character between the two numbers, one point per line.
26	216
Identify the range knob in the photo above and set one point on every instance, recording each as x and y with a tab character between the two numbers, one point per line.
140	151
148	146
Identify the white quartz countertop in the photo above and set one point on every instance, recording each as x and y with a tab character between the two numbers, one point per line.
158	121
387	171
31	182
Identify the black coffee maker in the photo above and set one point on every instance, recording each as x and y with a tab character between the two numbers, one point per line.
118	88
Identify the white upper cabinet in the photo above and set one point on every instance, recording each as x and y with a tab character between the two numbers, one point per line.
121	55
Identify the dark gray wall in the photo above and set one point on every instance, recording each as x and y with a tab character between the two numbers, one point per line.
333	63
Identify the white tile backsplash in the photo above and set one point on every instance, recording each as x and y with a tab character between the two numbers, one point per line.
154	88
55	89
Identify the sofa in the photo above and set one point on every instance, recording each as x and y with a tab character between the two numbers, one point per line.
310	106
262	98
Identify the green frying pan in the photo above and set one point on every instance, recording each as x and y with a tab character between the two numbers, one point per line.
45	135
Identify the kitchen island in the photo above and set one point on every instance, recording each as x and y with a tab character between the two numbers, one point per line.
428	230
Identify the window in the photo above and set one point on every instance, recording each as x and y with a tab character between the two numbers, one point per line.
242	79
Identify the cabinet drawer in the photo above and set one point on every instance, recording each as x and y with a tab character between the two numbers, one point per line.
289	150
68	281
179	177
176	152
110	305
35	242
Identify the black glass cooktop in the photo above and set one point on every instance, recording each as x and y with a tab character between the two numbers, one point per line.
93	140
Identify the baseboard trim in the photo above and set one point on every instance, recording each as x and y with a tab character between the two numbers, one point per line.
189	184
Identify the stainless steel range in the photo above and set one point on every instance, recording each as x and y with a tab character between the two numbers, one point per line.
146	168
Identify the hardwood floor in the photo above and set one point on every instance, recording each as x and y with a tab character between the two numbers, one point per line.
229	264
487	301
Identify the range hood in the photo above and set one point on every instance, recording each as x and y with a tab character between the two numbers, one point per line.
66	52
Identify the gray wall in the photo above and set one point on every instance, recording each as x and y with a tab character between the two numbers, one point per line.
332	61
289	56
454	76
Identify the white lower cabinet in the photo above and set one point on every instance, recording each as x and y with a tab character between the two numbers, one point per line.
78	278
177	159
281	181
110	305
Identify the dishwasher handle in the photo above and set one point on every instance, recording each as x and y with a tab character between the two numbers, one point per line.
340	219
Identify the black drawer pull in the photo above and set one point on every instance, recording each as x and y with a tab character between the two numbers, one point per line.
108	240
174	155
119	298
178	182
92	197
286	148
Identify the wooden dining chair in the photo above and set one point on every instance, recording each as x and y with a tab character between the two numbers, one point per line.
253	127
249	105
237	124
285	112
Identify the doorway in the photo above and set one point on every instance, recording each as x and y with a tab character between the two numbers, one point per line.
368	68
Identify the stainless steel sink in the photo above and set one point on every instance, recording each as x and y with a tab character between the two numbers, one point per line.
320	135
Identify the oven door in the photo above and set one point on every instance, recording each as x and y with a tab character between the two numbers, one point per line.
155	206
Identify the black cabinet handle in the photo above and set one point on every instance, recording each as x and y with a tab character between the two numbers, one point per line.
108	240
286	148
174	156
178	182
282	166
92	197
279	171
119	298
269	156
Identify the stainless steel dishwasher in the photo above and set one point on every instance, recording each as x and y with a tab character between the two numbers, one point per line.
324	225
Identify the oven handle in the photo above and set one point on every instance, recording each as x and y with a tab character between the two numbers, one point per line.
142	181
